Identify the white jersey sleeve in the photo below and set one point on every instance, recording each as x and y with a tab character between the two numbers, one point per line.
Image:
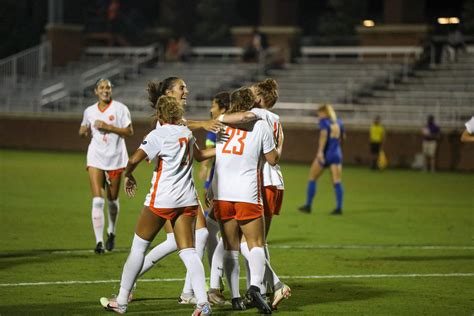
272	175
126	118
85	119
470	126
268	142
151	145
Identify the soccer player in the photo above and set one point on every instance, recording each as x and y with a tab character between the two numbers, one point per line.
266	94
377	138
215	247
329	155
176	87
431	135
172	197
468	134
238	196
108	122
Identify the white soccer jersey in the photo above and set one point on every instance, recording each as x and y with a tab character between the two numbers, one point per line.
272	175
238	162
470	126
172	184
107	151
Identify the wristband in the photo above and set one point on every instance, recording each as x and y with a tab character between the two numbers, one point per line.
220	118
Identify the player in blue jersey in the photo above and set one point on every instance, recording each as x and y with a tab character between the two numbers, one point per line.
329	155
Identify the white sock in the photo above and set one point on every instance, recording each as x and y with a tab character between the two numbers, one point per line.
131	268
98	218
196	272
201	239
114	208
257	267
244	249
162	250
212	239
270	278
217	266
232	271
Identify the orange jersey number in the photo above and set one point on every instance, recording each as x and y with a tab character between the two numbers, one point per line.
236	149
187	155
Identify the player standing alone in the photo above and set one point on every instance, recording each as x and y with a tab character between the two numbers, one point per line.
108	122
329	155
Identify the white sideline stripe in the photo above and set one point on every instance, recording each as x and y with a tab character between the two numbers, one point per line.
432	247
348	276
426	247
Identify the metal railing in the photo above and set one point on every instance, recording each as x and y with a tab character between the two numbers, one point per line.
25	65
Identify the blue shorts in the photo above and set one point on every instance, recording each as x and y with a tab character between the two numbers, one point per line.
331	160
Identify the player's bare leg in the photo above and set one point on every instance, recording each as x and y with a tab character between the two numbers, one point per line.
315	172
112	189
201	234
254	232
231	238
336	174
184	231
148	225
96	180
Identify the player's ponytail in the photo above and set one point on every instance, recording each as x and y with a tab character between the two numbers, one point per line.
156	89
268	91
329	111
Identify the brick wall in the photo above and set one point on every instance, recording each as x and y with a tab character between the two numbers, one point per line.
61	133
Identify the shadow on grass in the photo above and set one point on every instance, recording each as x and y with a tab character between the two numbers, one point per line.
15	258
307	296
423	258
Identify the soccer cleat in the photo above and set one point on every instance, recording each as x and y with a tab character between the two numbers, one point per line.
253	295
99	248
110	243
283	292
215	297
187	299
111	304
202	310
238	304
336	211
305	209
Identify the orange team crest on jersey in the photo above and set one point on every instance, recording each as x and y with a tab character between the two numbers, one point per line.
111	118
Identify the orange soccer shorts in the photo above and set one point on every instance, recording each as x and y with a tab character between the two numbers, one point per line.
272	200
241	211
114	174
171	213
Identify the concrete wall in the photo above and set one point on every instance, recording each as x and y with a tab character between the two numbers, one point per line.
60	133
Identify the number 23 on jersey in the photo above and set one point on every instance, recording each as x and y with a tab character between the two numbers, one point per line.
235	143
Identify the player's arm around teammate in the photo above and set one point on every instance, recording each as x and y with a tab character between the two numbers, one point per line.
108	122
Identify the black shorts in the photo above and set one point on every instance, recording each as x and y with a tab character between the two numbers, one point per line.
375	148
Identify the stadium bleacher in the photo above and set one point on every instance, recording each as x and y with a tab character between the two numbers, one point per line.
361	83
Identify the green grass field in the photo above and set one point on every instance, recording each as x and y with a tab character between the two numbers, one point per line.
370	261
